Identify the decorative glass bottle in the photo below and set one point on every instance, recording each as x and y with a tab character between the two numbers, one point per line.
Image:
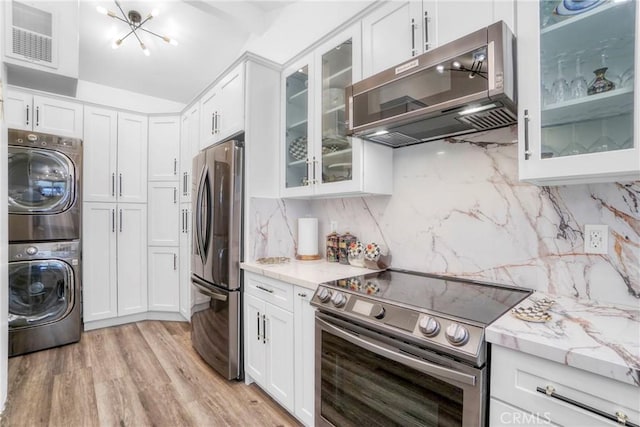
600	83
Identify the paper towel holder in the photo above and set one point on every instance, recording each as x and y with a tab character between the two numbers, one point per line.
308	257
307	247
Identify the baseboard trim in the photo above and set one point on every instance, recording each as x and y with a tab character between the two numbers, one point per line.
132	318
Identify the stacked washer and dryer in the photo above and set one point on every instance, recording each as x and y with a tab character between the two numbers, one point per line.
45	206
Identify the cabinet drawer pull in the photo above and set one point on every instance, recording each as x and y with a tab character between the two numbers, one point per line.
413	37
300	294
264	289
619	417
527	152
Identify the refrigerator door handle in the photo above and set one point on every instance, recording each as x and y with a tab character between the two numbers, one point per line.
206	290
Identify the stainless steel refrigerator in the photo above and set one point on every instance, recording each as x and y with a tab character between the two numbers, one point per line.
217	200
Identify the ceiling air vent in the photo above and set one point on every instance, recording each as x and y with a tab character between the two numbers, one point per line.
32	32
498	117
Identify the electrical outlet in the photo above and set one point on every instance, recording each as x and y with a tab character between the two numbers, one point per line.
333	226
596	239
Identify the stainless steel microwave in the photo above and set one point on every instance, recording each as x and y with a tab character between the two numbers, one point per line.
464	86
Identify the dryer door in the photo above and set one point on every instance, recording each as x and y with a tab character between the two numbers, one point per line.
40	292
40	181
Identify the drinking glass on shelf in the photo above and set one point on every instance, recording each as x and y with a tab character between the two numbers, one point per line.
626	78
560	91
579	86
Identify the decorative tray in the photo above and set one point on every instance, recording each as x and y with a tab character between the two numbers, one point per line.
273	260
536	313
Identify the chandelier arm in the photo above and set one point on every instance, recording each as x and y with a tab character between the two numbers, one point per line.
127	35
144	21
136	34
126	19
151	32
119	19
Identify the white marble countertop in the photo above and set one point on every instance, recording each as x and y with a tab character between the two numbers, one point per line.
598	338
308	274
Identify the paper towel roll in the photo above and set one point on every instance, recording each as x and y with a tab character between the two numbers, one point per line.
307	236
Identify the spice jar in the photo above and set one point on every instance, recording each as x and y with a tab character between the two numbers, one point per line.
332	247
343	247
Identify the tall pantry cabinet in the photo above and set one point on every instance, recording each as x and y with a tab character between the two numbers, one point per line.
115	210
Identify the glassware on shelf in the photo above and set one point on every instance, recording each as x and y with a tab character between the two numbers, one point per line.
600	83
627	77
579	86
560	89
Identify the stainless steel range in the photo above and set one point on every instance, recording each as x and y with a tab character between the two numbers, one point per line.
405	348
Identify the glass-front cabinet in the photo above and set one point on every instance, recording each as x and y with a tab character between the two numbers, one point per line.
578	106
319	159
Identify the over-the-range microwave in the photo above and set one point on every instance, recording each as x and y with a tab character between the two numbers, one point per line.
464	86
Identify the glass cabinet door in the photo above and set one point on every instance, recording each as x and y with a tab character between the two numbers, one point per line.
336	149
297	128
587	58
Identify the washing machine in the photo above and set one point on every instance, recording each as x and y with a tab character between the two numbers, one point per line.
44	191
45	303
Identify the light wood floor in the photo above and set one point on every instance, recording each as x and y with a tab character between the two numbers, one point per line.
142	374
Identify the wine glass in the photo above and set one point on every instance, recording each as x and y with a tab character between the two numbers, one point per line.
560	91
579	85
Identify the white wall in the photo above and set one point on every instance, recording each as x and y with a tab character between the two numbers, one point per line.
127	100
300	24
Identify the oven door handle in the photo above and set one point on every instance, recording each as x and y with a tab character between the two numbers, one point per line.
393	354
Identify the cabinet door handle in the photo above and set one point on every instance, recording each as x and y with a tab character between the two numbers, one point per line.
426	31
619	417
121	220
113	220
175	195
300	294
264	289
264	329
175	167
314	181
413	37
113	185
37	116
258	319
175	262
527	152
184	184
27	123
120	185
213	123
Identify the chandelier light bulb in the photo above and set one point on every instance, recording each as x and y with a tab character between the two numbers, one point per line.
144	49
116	43
171	41
102	10
154	13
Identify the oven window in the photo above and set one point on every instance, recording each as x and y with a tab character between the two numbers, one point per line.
360	388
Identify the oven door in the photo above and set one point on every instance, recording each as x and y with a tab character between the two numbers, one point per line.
366	379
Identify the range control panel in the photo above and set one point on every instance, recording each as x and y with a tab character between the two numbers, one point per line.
432	330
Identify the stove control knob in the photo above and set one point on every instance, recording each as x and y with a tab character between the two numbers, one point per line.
338	299
324	295
429	326
378	311
31	250
457	334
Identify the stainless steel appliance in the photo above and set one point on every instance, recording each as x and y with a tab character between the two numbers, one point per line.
45	304
45	198
464	86
216	255
404	348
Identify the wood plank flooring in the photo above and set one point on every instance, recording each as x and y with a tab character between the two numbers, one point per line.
140	374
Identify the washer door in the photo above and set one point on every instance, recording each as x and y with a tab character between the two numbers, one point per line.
40	181
40	292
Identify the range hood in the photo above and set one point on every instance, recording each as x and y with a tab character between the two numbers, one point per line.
462	87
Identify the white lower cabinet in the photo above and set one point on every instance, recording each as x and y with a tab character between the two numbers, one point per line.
527	390
185	261
304	353
114	260
279	342
164	279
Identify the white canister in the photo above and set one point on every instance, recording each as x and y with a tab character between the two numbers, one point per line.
308	238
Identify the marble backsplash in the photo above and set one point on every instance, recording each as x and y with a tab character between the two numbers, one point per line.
458	209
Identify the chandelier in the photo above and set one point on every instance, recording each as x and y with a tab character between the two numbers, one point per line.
135	22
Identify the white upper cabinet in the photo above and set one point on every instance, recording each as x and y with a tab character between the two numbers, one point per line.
189	146
132	158
43	114
319	159
164	148
115	156
222	108
399	30
577	107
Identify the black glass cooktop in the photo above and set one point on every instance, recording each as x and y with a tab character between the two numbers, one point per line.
480	302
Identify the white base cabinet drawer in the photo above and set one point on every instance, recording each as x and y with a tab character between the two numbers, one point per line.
269	290
502	414
534	384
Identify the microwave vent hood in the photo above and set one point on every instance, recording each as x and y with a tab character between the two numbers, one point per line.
462	87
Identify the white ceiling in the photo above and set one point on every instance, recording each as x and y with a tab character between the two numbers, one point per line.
210	34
